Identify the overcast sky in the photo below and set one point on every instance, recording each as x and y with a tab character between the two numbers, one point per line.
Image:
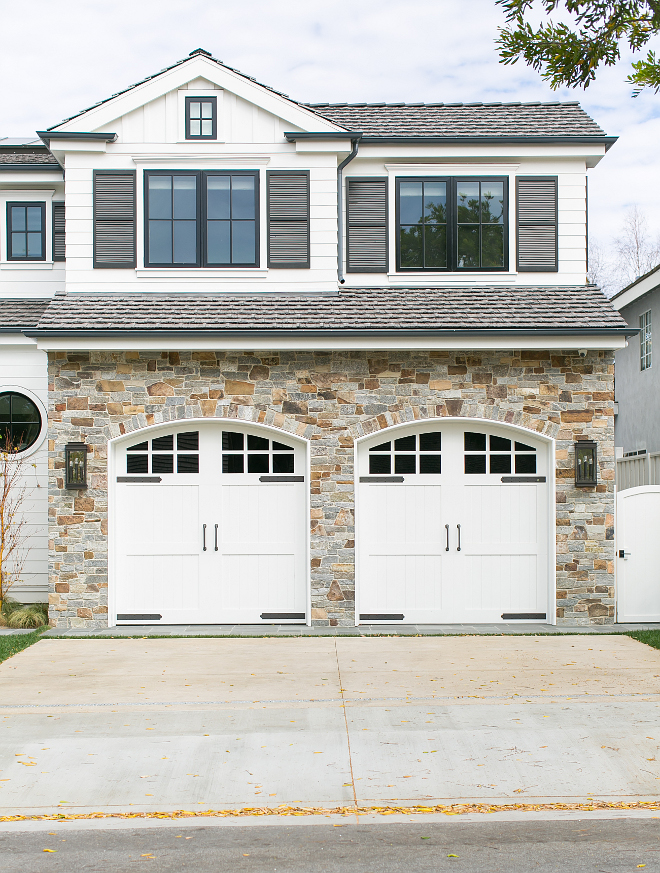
58	58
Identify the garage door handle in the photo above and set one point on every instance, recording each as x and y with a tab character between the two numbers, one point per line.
458	528
624	554
216	537
447	546
203	537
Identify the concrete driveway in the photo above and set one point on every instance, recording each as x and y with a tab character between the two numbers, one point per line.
166	724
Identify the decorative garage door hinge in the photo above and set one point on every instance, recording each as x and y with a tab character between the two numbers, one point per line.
139	479
138	616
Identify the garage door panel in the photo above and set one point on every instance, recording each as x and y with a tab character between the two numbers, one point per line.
395	513
500	514
505	583
399	583
160	517
268	513
160	583
261	583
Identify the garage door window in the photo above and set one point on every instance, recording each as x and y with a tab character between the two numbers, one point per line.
159	454
495	454
418	453
245	453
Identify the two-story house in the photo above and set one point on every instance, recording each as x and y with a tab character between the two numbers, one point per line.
328	363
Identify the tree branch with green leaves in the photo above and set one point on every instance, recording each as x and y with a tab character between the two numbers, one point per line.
569	54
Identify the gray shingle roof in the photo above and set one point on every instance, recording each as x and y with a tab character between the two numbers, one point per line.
23	313
426	119
426	310
461	119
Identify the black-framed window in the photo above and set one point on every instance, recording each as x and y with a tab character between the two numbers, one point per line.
26	231
201	118
20	421
452	224
195	218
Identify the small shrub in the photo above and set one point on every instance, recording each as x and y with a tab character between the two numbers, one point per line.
27	615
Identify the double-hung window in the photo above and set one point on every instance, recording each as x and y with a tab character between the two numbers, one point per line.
26	231
645	341
451	224
196	219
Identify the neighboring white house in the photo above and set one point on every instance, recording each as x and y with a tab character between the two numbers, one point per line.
329	362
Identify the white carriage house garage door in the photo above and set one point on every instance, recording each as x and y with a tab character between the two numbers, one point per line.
209	526
452	525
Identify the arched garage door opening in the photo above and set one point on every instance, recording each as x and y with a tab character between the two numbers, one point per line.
208	526
453	524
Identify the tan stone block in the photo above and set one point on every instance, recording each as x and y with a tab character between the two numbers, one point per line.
84	612
234	386
115	408
133	410
208	407
62	587
576	415
548	390
259	373
83	504
82	422
132	356
334	592
70	519
124	368
207	357
319	613
457	370
77	403
109	386
344	517
440	385
160	389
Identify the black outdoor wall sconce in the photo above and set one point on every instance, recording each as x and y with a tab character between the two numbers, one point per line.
75	465
586	463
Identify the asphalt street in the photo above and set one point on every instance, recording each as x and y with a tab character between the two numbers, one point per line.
515	847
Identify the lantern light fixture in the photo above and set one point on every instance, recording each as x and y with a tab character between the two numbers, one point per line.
75	463
586	463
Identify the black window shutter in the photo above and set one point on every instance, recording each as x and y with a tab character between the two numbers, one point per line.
537	224
114	218
58	232
288	218
366	226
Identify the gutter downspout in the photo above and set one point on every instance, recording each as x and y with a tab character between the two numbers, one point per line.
340	205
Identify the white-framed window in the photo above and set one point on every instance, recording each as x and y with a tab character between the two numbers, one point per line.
645	341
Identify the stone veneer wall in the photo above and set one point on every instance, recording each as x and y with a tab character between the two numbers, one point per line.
330	398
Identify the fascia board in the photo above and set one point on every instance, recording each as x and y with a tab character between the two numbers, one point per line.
324	341
175	78
638	289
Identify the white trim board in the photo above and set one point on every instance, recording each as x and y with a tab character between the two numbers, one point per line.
329	343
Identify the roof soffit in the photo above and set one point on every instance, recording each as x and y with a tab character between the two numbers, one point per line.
171	80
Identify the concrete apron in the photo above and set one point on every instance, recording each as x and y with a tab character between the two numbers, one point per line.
129	725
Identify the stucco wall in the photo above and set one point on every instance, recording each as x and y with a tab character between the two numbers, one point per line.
637	425
331	399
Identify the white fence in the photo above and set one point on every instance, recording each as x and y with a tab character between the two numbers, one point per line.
638	470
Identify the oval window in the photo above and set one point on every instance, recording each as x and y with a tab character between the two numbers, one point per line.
20	422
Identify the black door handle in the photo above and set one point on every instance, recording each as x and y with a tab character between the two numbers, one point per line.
216	537
447	546
203	537
459	537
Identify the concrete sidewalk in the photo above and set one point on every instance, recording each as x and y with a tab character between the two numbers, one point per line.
158	724
297	630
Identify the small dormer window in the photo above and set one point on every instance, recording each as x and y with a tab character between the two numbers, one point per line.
201	118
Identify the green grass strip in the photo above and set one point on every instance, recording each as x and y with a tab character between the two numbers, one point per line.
650	637
12	644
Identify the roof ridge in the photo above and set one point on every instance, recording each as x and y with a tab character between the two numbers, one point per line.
398	104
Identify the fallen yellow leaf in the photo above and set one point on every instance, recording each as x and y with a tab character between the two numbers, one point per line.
50	850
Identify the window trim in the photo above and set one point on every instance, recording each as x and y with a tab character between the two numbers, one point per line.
645	341
452	223
201	218
214	118
26	260
41	409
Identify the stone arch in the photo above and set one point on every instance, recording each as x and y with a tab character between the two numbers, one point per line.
203	411
453	408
